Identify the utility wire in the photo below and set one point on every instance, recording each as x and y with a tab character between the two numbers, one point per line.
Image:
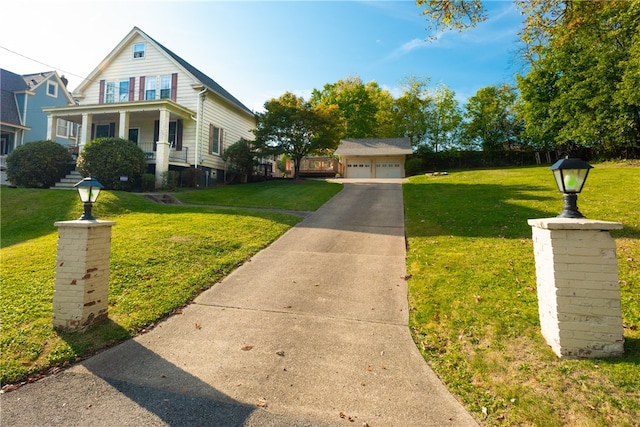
42	63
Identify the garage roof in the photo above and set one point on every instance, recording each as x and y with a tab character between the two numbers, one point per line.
374	147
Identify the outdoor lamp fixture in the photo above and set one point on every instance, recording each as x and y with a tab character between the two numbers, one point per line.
570	175
88	190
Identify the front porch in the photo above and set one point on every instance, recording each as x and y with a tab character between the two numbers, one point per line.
157	127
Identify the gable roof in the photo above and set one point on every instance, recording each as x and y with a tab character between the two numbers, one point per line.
207	81
374	147
36	79
10	83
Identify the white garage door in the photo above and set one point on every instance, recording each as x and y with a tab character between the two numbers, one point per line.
388	168
358	168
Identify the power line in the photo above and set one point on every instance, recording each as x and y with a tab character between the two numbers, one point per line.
42	63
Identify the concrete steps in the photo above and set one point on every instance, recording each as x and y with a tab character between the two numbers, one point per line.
68	181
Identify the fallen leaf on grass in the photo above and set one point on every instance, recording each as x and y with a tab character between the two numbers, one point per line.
246	347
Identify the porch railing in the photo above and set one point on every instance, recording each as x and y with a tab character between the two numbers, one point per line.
181	156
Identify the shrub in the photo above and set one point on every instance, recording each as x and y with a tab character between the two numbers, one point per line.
38	164
413	166
170	180
108	159
191	177
148	182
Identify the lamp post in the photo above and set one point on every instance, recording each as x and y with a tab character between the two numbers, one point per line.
570	175
88	190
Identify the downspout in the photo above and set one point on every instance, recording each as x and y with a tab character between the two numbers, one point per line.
199	124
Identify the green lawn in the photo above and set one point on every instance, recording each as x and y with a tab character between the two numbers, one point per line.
161	257
473	295
295	195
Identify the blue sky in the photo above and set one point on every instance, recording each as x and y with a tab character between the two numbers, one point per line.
258	50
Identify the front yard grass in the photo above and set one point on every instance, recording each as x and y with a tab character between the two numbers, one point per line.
473	300
288	194
161	258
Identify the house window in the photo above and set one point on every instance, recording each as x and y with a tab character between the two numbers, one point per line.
215	139
62	128
52	89
150	88
138	51
123	91
110	93
165	87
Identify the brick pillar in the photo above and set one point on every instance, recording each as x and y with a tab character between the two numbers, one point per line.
578	290
81	292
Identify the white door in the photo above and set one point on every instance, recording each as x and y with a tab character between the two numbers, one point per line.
389	167
358	167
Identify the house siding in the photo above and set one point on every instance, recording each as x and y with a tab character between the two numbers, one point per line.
35	118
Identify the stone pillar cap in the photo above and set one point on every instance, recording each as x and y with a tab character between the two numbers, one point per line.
574	224
83	223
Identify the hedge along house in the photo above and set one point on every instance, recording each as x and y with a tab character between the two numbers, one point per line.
145	93
374	157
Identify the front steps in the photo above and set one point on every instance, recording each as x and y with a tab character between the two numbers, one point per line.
68	181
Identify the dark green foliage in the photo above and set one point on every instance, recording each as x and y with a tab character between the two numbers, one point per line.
241	158
38	164
148	182
109	159
191	177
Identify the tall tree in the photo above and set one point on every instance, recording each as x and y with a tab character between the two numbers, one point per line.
292	126
443	119
411	109
579	87
366	108
491	119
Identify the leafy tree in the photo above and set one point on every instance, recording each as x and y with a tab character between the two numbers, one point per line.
491	120
295	127
38	164
107	159
452	14
241	158
411	109
582	86
365	108
443	119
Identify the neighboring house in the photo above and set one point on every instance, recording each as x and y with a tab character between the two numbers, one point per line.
145	93
22	118
374	157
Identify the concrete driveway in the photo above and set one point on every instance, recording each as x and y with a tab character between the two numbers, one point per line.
311	332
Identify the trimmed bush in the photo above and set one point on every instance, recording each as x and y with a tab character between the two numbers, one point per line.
38	164
109	159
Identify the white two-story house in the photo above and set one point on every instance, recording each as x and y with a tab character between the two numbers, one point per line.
145	93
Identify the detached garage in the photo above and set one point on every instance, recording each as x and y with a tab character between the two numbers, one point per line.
373	157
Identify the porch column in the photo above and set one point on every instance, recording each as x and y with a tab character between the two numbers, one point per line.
162	148
85	130
123	128
52	124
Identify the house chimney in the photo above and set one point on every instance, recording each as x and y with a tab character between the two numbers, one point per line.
64	80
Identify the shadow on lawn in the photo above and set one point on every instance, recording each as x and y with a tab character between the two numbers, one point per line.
482	210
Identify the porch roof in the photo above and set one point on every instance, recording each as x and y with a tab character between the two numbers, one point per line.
73	113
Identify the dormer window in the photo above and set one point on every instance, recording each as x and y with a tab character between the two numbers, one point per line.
52	89
138	51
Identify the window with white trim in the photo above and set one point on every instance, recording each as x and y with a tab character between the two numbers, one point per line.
150	88
123	91
62	128
215	139
138	51
165	87
52	89
109	92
